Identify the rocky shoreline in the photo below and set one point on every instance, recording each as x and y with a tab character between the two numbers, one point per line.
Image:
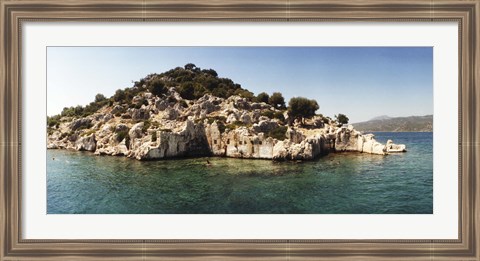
171	126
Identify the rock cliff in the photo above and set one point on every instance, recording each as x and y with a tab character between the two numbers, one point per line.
169	126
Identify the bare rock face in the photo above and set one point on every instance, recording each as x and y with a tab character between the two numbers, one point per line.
280	151
370	145
112	148
255	116
139	114
263	118
259	105
170	114
121	127
244	143
245	118
182	129
207	104
294	135
147	95
190	141
265	126
86	143
136	131
80	123
52	146
307	149
256	106
106	117
120	149
137	99
232	117
318	122
214	137
240	103
161	104
347	139
105	130
117	109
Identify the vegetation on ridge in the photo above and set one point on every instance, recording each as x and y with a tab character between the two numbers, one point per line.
191	83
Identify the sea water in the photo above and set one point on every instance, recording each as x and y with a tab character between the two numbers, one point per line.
338	183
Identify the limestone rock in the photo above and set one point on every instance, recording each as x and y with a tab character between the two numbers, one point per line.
232	118
294	135
121	127
120	149
80	123
185	128
105	130
190	141
136	131
265	126
117	109
245	118
318	122
279	151
147	95
161	104
170	114
207	104
370	145
214	138
139	114
86	143
106	117
393	148
52	146
263	118
241	103
346	139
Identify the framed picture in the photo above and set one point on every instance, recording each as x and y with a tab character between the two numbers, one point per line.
303	130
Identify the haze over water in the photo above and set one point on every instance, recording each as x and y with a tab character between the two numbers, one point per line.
338	183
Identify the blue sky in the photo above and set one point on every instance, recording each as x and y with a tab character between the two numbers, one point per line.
361	82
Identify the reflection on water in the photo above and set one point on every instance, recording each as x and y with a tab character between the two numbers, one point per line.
346	183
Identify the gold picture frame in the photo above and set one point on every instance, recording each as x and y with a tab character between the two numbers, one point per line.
464	12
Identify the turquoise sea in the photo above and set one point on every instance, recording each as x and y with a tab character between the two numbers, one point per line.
338	183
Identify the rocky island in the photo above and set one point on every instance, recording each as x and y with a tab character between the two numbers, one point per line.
188	112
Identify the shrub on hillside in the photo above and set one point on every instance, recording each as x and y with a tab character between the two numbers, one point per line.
278	133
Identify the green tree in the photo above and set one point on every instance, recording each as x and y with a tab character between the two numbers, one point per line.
190	66
245	94
187	90
53	121
157	87
279	115
78	110
100	97
277	100
341	118
302	108
119	95
211	72
262	97
67	112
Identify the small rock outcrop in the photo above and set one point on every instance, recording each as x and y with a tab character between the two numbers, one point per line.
86	143
393	148
80	123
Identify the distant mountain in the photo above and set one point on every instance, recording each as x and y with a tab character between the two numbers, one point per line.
397	124
383	117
